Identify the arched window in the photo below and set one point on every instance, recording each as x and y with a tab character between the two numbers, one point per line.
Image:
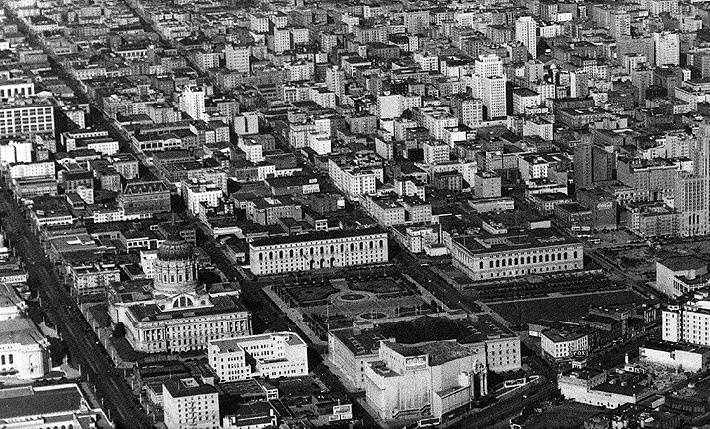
261	256
528	259
574	255
382	244
281	254
361	246
534	259
352	247
497	263
290	253
553	257
10	358
372	244
2	359
547	258
515	261
503	263
332	248
491	264
480	265
271	255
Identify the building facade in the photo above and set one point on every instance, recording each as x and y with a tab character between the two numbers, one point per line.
273	355
513	255
274	255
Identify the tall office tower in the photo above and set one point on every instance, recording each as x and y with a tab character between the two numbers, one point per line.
583	167
701	150
493	96
526	32
667	48
691	203
192	102
237	57
620	24
335	80
488	65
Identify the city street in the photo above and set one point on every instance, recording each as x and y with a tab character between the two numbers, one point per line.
82	343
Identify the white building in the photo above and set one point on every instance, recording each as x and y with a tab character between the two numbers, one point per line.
320	143
515	254
688	322
192	101
198	192
254	151
526	32
426	379
24	351
178	314
271	355
343	248
12	151
562	344
588	386
436	152
237	58
246	123
335	80
148	258
24	116
189	404
678	275
352	181
33	169
493	96
667	48
681	357
488	65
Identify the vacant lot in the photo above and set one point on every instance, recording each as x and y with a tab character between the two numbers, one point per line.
564	308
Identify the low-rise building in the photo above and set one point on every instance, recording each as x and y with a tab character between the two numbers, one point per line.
493	256
681	357
272	355
188	404
342	248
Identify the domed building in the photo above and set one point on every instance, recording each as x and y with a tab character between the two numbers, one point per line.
175	270
179	314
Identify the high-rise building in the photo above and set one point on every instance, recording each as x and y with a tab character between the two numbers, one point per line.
493	96
335	80
192	102
691	203
468	110
488	65
526	32
237	58
620	24
667	48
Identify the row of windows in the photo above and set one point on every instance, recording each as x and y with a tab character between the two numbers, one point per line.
520	261
9	361
313	250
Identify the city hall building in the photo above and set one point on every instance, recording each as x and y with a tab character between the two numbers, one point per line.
284	254
177	314
516	254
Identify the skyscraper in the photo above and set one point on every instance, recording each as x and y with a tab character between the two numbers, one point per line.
192	102
667	48
335	80
526	32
